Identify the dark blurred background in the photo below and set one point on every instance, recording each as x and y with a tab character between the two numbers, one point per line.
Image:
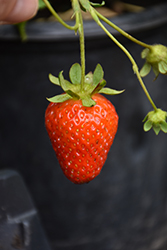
125	207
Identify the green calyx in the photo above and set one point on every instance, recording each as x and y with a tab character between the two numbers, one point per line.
156	57
156	119
93	83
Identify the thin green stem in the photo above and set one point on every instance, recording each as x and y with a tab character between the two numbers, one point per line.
21	29
145	90
77	10
75	27
121	31
135	67
82	50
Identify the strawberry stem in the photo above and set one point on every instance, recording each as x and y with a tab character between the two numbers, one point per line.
122	32
82	48
145	90
77	10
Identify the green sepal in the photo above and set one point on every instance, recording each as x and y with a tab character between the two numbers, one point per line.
147	126
156	119
109	91
89	78
88	102
162	66
95	5
144	53
75	73
54	79
163	126
156	129
156	72
145	70
156	57
99	87
59	98
85	4
82	8
93	83
66	85
145	118
73	95
97	74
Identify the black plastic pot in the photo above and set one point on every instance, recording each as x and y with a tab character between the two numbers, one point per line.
125	206
20	226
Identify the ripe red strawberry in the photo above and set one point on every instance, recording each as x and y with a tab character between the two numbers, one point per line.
81	124
81	136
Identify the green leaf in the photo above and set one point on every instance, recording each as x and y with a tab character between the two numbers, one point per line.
144	53
147	126
98	74
54	79
75	73
66	85
163	126
88	102
59	98
145	70
95	5
109	91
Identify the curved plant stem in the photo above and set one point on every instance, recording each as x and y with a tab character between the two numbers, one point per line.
122	31
145	90
21	29
77	10
135	67
75	27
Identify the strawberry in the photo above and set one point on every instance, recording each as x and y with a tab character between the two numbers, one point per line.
81	133
81	136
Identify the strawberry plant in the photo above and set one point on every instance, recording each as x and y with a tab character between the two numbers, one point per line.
80	122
